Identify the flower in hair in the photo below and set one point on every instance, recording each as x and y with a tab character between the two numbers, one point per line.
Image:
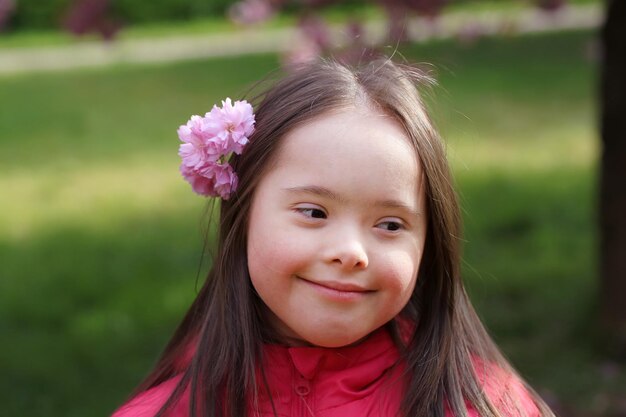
208	142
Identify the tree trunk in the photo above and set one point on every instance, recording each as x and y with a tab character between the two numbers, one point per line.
613	176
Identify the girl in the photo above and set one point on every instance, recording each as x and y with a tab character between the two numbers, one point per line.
336	290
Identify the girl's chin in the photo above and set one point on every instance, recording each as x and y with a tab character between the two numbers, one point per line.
282	334
323	342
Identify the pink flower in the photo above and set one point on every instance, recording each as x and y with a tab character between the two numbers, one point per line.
230	125
208	142
199	183
213	125
239	118
212	180
192	151
224	179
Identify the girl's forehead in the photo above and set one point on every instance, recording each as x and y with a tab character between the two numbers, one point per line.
360	109
352	131
350	149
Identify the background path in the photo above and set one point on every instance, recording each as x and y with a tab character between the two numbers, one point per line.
260	40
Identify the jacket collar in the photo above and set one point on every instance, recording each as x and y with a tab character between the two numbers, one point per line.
335	375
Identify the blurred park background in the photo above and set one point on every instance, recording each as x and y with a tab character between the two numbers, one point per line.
101	239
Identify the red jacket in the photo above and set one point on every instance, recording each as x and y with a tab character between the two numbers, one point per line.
356	381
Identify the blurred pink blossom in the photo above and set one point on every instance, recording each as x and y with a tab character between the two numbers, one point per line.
306	52
316	30
7	7
250	11
86	16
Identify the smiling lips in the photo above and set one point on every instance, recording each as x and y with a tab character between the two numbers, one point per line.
338	290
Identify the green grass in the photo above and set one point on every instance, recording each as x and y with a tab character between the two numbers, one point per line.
100	240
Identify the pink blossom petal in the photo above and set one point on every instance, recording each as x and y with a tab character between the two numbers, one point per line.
239	120
224	180
192	156
192	151
213	123
199	183
192	131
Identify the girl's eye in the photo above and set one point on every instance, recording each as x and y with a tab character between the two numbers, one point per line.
390	226
312	212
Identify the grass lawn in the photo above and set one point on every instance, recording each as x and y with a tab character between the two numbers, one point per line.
100	240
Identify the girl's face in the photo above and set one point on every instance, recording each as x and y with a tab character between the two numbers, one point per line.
337	228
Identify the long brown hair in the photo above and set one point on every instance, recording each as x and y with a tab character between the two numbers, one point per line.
224	328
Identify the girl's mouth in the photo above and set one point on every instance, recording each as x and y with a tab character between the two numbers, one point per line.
343	291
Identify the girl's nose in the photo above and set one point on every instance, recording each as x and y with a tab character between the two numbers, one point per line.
349	253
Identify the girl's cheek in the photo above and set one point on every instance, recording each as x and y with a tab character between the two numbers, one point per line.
275	252
399	269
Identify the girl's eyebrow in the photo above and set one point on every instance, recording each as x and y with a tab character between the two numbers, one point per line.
316	190
326	193
399	205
